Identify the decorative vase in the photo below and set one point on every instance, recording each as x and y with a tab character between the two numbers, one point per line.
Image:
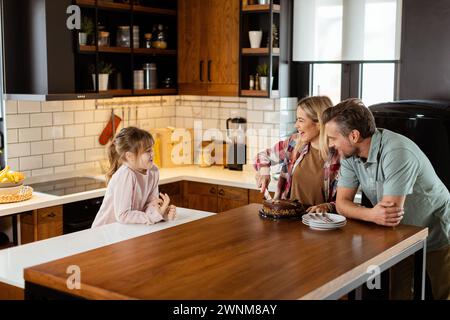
82	38
255	38
103	80
263	82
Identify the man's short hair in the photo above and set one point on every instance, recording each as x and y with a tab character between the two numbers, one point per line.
351	115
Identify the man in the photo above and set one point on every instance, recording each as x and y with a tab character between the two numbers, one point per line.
397	178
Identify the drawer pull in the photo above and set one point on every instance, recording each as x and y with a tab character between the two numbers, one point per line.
221	192
212	190
51	215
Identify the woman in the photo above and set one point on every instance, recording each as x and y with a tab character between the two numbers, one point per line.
309	168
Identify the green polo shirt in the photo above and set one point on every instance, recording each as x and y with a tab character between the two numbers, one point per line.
397	167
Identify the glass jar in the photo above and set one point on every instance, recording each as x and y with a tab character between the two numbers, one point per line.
123	36
160	41
103	39
148	40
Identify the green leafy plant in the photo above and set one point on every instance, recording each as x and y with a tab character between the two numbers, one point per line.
263	70
103	68
87	26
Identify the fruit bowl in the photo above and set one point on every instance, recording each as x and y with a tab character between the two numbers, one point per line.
10	184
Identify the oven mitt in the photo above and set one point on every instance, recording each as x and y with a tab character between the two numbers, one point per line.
107	133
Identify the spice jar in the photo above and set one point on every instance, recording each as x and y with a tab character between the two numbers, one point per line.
123	36
148	40
103	39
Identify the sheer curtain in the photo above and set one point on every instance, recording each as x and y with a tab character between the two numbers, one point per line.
347	30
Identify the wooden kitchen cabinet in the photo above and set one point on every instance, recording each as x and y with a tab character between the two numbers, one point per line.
231	198
200	196
41	224
254	196
208	42
174	190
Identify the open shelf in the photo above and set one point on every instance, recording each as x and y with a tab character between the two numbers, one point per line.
119	92
88	49
162	91
254	93
156	11
156	52
114	49
261	8
85	3
260	51
113	5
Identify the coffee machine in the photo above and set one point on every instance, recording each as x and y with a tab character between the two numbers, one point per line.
236	143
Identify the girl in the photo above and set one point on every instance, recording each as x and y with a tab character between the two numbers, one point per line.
309	168
132	193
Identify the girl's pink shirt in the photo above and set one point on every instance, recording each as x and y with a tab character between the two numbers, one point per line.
131	198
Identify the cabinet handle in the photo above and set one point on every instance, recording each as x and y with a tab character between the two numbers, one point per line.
201	70
51	215
209	70
221	192
212	190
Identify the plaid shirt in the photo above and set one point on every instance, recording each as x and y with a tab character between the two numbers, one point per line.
283	153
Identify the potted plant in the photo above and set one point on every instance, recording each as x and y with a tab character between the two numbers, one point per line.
263	71
86	30
104	70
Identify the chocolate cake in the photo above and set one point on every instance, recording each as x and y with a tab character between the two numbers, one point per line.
283	209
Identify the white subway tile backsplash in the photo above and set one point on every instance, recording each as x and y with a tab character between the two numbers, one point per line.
89	104
84	116
53	160
180	123
169	101
29	107
163	122
30	163
96	154
51	133
42	147
64	145
142	113
61	118
94	129
13	163
41	120
13	136
62	169
11	107
73	105
154	112
74	157
16	150
52	106
184	112
147	124
85	166
18	121
255	116
30	134
169	111
74	131
84	143
263	104
271	117
224	114
102	115
42	172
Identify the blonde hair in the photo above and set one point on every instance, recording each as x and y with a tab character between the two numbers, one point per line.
314	107
129	139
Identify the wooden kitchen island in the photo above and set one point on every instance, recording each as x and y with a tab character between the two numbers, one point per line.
234	255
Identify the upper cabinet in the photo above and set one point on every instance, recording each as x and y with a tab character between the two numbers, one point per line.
208	42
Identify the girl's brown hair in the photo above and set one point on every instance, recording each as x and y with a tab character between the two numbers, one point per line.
129	139
314	108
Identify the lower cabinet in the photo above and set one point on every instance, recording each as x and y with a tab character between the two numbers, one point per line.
41	224
231	198
200	196
174	191
213	198
255	196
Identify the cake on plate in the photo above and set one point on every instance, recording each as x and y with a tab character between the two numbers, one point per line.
283	209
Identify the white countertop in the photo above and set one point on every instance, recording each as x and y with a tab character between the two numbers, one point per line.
212	175
14	260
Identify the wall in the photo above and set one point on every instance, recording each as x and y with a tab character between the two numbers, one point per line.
45	138
425	65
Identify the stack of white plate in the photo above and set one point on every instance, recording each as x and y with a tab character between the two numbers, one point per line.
324	221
